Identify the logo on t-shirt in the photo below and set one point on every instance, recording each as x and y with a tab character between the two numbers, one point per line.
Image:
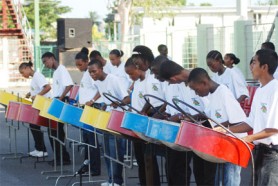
217	114
195	102
155	88
32	88
263	107
140	94
81	85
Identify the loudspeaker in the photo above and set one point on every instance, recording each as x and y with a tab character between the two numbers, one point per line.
74	33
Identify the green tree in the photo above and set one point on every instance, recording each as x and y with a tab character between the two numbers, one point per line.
205	4
50	10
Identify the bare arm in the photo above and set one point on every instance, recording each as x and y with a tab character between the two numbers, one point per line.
67	89
96	97
261	135
241	98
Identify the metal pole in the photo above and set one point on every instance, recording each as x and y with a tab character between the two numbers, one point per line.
37	33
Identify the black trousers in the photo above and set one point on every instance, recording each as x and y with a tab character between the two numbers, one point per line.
38	137
59	134
178	167
204	171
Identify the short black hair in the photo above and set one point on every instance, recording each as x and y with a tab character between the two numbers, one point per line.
269	57
197	75
158	61
233	57
268	45
48	54
160	47
169	69
215	55
94	54
143	52
83	54
95	62
130	63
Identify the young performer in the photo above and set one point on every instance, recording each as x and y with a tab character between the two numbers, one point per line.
204	171
222	108
109	83
142	57
230	61
107	66
226	76
62	83
38	86
269	45
263	118
87	93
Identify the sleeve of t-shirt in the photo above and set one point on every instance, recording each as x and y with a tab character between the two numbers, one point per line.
66	78
41	81
119	88
233	109
239	85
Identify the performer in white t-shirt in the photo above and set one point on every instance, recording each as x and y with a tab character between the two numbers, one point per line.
62	83
107	66
88	94
224	109
226	76
204	171
263	118
230	61
38	86
111	84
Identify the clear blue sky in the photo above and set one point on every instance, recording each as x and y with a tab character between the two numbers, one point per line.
81	8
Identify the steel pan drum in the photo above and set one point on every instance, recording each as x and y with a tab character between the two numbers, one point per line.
25	101
164	131
6	97
212	145
12	110
138	124
74	92
44	111
28	114
96	118
55	108
115	122
39	102
71	115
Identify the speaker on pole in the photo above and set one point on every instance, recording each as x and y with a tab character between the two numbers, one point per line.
74	33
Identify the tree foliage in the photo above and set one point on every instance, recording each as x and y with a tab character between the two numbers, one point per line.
50	10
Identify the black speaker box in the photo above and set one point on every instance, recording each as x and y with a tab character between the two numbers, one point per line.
74	33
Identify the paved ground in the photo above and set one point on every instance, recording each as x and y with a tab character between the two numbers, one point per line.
13	173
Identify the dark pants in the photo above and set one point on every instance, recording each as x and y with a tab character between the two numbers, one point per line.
60	134
204	171
38	137
266	165
178	167
95	163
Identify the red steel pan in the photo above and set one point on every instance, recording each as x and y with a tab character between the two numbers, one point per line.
115	122
12	110
28	114
212	145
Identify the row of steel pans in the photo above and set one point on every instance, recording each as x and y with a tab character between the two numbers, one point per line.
207	143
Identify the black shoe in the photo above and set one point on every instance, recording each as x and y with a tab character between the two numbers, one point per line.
58	163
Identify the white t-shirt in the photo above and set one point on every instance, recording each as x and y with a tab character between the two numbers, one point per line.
137	99
154	87
275	75
111	85
120	73
183	93
108	67
264	111
37	84
87	89
232	81
239	73
224	107
61	79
